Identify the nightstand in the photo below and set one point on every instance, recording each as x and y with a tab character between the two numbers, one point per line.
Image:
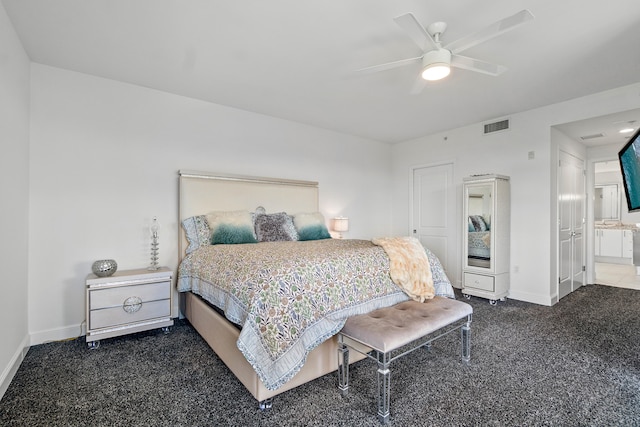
127	301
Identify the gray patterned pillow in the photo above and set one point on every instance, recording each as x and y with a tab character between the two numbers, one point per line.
197	231
478	222
275	227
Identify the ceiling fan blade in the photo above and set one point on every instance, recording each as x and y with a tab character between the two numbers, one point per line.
491	31
476	65
418	34
418	85
390	65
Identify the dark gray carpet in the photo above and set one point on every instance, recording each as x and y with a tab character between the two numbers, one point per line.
574	364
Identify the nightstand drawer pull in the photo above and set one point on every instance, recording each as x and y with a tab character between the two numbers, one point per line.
132	304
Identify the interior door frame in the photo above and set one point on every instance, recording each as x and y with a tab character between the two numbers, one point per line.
578	150
590	223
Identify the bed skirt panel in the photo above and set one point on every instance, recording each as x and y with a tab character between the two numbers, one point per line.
222	336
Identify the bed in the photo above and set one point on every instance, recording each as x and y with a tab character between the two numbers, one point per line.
479	241
479	244
271	350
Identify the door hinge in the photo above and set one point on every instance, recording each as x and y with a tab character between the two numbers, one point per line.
584	268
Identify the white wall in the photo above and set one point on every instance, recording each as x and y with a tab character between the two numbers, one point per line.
104	160
532	201
504	153
14	193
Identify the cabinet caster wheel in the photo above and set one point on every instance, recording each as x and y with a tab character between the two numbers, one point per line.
166	330
92	345
467	296
493	302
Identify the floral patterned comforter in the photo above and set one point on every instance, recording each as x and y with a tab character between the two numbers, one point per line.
289	296
478	244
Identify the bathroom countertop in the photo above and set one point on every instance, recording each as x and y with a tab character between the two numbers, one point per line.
616	226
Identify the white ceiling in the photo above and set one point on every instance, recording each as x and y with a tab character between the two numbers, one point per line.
295	59
603	130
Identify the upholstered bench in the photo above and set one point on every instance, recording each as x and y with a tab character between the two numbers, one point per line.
393	332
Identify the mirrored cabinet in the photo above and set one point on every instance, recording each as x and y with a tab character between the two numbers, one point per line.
486	244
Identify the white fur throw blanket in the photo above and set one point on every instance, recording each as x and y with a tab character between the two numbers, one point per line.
409	266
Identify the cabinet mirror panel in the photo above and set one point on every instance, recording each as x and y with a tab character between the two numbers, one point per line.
606	202
479	207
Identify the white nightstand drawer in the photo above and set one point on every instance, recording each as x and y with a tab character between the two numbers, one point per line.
479	281
130	313
126	302
115	297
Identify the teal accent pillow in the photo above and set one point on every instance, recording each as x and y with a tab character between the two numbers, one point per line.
227	234
231	227
311	226
314	232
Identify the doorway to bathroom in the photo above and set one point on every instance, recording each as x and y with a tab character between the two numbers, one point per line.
613	229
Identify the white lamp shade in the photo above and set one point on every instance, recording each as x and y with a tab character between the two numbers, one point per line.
341	224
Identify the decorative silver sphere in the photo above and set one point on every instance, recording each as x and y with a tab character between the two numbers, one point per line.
104	267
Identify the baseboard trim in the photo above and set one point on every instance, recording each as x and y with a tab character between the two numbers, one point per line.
14	364
58	334
532	298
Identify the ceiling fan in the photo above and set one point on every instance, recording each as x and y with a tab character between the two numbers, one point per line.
437	59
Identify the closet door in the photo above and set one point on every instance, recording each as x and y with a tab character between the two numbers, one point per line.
571	196
433	218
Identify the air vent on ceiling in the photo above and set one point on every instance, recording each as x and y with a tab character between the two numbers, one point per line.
496	126
594	136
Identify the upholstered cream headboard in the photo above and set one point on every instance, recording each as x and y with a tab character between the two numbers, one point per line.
203	192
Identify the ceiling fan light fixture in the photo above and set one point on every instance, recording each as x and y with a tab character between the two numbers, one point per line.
436	64
436	72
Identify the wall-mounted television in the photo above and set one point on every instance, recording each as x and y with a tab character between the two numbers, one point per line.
629	158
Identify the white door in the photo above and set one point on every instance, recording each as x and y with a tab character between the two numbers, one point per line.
434	220
571	209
